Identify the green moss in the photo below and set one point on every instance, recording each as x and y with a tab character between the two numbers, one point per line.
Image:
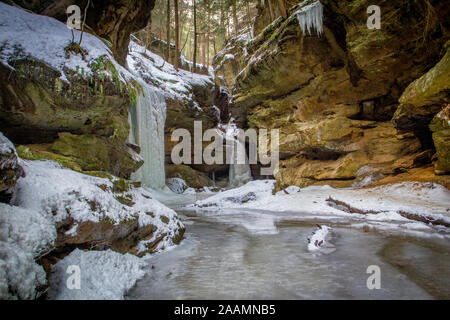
89	151
107	220
27	153
75	48
121	185
125	199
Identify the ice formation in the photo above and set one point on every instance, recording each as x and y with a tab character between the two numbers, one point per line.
310	17
147	120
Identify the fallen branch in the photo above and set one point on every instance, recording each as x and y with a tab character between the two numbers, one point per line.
341	205
424	219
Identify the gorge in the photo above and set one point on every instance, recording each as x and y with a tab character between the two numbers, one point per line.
87	176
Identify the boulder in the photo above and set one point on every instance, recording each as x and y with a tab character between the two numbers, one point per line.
10	170
193	178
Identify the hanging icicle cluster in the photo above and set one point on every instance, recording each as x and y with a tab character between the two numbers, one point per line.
311	16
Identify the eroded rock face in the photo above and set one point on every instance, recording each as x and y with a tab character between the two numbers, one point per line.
37	107
440	126
332	96
230	61
424	98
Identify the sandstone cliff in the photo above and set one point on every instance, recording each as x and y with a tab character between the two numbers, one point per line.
353	105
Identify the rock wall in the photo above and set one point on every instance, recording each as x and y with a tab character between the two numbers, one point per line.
347	103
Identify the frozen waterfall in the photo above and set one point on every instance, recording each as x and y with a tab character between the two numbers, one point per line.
147	120
239	172
310	16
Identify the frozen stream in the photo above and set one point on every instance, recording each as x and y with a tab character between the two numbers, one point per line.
250	255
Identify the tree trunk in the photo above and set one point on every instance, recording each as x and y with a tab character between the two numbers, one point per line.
272	15
168	31
235	19
177	36
207	38
282	9
194	66
249	18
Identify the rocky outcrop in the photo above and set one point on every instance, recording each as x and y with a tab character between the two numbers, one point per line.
230	61
424	98
440	126
332	96
113	21
95	212
193	178
66	101
36	107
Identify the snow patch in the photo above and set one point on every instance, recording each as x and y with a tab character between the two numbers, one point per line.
320	240
105	275
24	234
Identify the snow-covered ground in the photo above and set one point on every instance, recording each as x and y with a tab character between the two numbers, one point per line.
24	235
49	194
103	275
46	196
385	203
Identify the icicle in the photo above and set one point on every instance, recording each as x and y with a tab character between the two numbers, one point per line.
311	16
147	120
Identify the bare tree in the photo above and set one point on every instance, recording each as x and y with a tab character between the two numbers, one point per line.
282	8
177	35
194	67
168	31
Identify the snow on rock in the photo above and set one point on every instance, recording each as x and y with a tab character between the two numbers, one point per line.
190	191
6	147
177	185
24	34
320	240
10	170
154	70
24	234
248	193
288	190
61	193
104	275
